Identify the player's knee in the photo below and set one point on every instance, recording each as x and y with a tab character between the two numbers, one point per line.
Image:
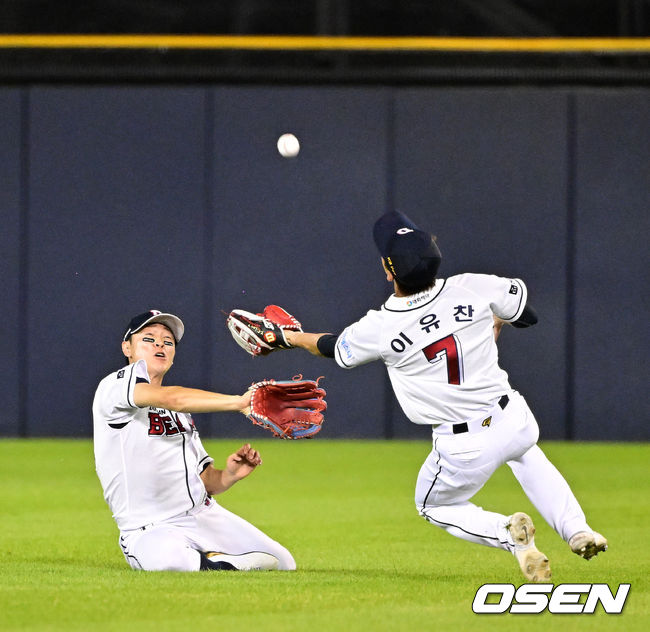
420	505
424	510
170	557
174	563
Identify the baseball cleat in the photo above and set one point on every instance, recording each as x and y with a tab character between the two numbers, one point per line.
587	544
533	563
254	561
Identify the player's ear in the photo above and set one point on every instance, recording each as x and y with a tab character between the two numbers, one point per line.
126	349
389	274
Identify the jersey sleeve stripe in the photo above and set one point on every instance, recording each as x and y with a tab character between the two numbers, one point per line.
205	462
129	389
523	296
118	426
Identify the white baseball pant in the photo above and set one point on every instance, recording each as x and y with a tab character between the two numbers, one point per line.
460	464
175	544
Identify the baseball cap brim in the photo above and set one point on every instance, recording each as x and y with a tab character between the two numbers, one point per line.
173	323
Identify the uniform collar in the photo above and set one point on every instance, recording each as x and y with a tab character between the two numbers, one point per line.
414	301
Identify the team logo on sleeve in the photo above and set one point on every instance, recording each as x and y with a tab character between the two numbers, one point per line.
120	374
346	347
514	289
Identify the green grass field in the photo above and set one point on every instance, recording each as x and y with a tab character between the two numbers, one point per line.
345	510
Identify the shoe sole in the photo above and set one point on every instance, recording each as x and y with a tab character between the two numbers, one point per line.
522	529
591	548
533	563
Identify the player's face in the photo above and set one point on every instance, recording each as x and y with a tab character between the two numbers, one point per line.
155	345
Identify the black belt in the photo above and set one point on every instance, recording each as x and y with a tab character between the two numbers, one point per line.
462	427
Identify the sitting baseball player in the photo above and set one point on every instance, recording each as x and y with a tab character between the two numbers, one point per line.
437	338
157	477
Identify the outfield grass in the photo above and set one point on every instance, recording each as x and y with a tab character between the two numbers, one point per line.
345	510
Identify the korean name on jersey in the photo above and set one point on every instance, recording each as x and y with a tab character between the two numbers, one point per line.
438	345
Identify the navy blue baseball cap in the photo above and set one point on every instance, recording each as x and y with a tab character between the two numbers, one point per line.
173	323
410	253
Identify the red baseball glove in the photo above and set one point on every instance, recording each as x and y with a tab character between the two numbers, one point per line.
290	409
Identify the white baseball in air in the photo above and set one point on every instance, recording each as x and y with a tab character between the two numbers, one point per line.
288	145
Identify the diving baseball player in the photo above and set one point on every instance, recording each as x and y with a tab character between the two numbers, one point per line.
156	475
437	338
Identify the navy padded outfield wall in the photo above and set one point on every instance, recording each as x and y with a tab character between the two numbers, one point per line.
115	200
12	235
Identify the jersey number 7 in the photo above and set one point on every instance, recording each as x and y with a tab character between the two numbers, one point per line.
447	347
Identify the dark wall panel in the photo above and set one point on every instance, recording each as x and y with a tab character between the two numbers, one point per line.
116	223
297	232
612	289
10	261
485	170
176	198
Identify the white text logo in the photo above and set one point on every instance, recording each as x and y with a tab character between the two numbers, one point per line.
561	599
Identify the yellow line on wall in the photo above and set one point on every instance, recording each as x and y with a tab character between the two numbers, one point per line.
282	42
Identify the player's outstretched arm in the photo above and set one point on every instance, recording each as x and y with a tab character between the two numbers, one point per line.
238	465
274	329
317	344
189	400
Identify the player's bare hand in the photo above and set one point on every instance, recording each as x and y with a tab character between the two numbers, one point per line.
243	462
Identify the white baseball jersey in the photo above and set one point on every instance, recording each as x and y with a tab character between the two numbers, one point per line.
148	460
438	345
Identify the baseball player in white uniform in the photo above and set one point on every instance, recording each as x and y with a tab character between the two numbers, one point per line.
437	338
156	475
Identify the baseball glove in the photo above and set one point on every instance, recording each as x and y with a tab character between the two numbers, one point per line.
261	334
291	409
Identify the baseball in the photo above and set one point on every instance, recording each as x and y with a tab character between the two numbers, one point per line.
288	145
